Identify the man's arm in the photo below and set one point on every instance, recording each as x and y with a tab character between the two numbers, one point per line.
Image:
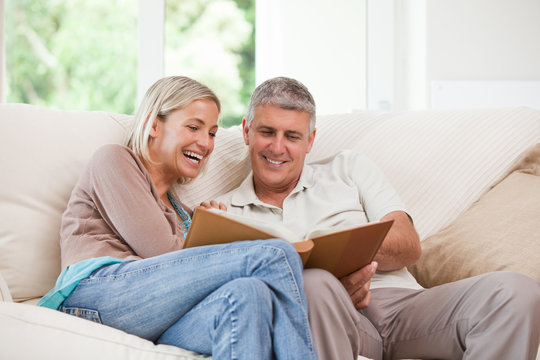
401	247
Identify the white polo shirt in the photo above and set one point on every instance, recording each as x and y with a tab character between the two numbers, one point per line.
341	191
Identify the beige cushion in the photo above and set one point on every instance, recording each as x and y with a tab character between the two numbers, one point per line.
43	151
499	232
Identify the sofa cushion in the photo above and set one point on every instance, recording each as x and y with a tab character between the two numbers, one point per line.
440	162
499	232
32	332
43	151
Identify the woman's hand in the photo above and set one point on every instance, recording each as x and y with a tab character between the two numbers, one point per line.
357	285
214	204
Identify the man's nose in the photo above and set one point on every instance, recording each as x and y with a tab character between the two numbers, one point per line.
278	144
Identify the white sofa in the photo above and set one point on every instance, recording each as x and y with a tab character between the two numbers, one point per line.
445	164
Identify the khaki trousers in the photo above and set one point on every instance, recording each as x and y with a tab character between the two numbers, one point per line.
491	316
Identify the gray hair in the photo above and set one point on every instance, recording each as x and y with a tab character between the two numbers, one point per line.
285	93
163	97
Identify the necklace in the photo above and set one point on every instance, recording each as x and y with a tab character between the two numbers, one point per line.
185	222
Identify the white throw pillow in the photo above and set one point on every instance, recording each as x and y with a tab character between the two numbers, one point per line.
43	152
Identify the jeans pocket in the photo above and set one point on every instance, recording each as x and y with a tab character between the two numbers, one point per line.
88	314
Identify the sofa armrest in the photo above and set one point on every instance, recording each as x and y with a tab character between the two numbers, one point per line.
5	295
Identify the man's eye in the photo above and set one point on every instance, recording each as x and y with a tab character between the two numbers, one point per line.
193	128
293	137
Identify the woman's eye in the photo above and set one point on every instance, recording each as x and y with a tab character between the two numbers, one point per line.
212	134
194	128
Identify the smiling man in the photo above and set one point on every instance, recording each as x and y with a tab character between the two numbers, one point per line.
278	144
377	315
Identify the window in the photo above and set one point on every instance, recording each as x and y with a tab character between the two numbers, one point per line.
213	42
72	54
83	54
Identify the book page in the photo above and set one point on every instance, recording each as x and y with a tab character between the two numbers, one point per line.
320	231
277	230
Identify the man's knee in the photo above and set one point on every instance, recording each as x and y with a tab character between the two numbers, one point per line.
519	290
320	283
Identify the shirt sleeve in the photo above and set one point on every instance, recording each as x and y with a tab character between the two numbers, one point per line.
377	195
125	197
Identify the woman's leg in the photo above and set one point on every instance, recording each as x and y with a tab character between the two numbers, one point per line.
146	297
242	306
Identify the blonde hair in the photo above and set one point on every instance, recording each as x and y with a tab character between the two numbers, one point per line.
163	97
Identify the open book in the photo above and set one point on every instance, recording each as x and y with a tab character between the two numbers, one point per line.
339	251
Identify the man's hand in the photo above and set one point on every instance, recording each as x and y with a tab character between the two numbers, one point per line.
357	285
214	204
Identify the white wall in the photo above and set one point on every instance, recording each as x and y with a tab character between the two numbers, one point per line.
2	55
320	43
472	46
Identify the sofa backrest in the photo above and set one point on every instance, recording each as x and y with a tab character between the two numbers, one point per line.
439	161
43	152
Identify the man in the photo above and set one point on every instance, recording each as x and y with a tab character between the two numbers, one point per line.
491	316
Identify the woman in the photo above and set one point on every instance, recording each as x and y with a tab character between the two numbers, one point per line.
122	236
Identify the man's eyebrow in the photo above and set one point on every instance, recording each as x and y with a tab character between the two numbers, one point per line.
294	132
265	127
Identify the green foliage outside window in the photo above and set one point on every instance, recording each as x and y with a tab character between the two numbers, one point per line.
81	54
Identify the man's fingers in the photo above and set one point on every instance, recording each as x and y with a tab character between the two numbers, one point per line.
362	303
358	278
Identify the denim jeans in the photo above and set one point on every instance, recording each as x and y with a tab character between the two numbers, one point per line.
242	300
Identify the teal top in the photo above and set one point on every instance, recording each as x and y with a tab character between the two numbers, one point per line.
70	278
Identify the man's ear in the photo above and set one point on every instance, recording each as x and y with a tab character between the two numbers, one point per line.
311	139
245	131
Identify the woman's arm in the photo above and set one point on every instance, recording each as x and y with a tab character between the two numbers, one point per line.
125	197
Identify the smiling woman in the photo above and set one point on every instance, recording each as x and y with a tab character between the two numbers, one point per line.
123	234
181	140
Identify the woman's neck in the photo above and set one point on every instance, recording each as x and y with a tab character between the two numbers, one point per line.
162	181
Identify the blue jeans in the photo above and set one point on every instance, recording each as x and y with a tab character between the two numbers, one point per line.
242	300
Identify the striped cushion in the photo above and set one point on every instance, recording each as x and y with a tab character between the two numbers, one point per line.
439	161
442	161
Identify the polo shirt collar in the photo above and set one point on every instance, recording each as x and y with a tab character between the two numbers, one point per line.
245	193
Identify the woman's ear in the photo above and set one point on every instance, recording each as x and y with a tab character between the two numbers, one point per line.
156	126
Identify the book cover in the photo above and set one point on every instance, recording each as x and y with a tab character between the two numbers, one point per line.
340	252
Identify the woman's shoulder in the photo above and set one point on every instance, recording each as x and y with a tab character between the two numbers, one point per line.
112	151
114	157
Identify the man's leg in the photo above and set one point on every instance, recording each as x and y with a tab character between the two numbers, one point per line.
339	330
491	316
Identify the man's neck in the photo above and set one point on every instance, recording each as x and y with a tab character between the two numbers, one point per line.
273	195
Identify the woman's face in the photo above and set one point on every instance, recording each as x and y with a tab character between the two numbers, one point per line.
182	142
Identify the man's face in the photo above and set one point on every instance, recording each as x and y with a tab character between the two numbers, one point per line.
278	141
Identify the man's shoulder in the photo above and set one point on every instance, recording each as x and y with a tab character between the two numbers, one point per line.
342	156
344	162
227	197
